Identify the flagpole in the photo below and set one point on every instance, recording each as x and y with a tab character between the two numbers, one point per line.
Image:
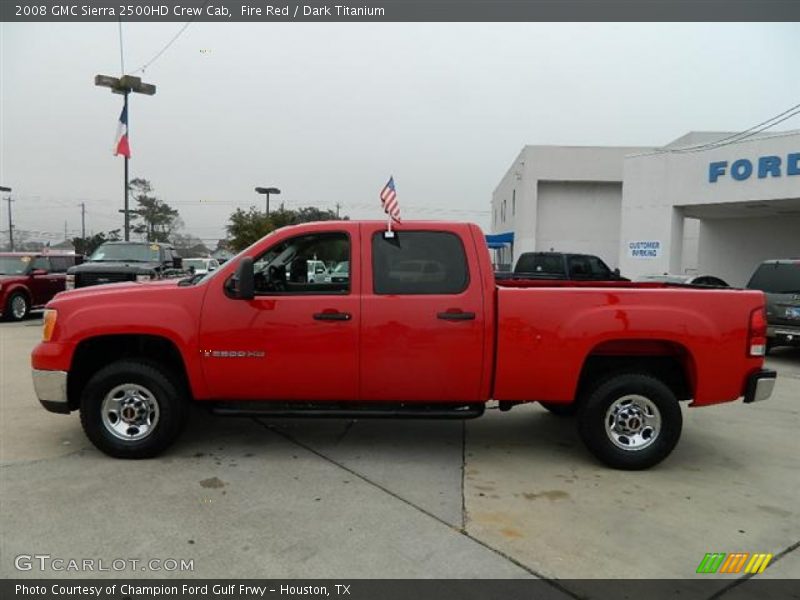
125	190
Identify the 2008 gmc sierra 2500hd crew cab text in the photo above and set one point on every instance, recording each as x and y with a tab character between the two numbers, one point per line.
419	328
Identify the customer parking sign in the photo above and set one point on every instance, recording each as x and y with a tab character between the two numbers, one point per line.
644	249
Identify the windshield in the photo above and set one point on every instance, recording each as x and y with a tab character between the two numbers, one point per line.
14	265
777	278
342	267
197	263
127	252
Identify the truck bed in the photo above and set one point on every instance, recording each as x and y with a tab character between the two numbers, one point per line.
547	331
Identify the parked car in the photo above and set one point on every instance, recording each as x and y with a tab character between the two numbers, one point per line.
703	280
562	265
340	273
29	280
115	262
200	266
780	281
243	340
317	271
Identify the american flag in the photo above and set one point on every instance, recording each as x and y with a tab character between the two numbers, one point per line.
389	200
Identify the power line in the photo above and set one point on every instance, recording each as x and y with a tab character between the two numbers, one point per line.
172	41
733	138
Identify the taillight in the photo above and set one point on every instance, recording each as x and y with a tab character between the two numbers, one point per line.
757	336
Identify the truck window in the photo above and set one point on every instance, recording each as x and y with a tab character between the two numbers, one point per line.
777	278
598	268
579	266
41	262
59	264
531	262
419	262
297	265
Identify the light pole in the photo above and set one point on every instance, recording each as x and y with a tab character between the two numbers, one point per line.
125	85
267	192
10	221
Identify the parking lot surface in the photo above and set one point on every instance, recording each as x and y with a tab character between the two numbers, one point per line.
506	496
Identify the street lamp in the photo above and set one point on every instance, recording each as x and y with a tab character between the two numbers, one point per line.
267	192
125	85
10	221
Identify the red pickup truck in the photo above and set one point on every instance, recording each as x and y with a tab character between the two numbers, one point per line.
419	328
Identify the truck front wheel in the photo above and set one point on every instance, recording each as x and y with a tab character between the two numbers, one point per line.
132	409
631	421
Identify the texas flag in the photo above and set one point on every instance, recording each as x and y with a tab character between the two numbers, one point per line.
121	146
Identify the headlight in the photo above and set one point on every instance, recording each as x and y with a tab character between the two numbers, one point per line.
48	324
144	277
70	282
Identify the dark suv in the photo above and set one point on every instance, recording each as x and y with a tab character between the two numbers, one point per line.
560	265
115	262
780	281
28	280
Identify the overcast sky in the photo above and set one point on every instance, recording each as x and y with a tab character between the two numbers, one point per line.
327	111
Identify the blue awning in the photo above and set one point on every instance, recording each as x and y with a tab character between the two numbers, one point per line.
499	240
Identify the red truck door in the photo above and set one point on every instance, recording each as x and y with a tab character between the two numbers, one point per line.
422	321
298	338
45	283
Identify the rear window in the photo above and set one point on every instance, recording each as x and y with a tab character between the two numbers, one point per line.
419	262
777	278
541	263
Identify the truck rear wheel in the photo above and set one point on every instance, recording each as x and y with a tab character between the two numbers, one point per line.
132	409
631	421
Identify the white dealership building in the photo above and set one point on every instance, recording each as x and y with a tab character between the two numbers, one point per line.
708	203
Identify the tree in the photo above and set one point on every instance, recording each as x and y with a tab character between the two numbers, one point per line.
245	228
89	244
160	220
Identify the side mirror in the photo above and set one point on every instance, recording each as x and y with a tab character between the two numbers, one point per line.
244	279
177	262
36	272
616	272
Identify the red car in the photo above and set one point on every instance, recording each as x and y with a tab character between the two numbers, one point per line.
438	341
29	280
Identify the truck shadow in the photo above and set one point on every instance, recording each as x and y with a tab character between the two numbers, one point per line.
527	430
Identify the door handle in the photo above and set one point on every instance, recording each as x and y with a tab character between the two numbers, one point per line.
332	315
456	315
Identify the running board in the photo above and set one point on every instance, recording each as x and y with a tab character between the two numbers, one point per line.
348	411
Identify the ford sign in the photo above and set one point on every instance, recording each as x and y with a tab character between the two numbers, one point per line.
765	166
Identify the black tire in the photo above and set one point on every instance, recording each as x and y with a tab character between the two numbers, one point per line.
561	410
654	396
9	310
164	389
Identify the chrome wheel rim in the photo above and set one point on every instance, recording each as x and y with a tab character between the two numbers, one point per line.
18	307
633	422
130	412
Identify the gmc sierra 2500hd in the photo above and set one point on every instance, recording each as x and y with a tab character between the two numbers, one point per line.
418	328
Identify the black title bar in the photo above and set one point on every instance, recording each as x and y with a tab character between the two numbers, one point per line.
385	11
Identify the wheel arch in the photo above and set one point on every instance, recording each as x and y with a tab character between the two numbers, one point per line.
92	354
667	360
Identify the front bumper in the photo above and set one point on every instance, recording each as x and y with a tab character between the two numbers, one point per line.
51	389
760	386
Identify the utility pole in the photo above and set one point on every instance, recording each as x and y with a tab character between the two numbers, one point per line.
338	206
10	220
125	85
83	220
